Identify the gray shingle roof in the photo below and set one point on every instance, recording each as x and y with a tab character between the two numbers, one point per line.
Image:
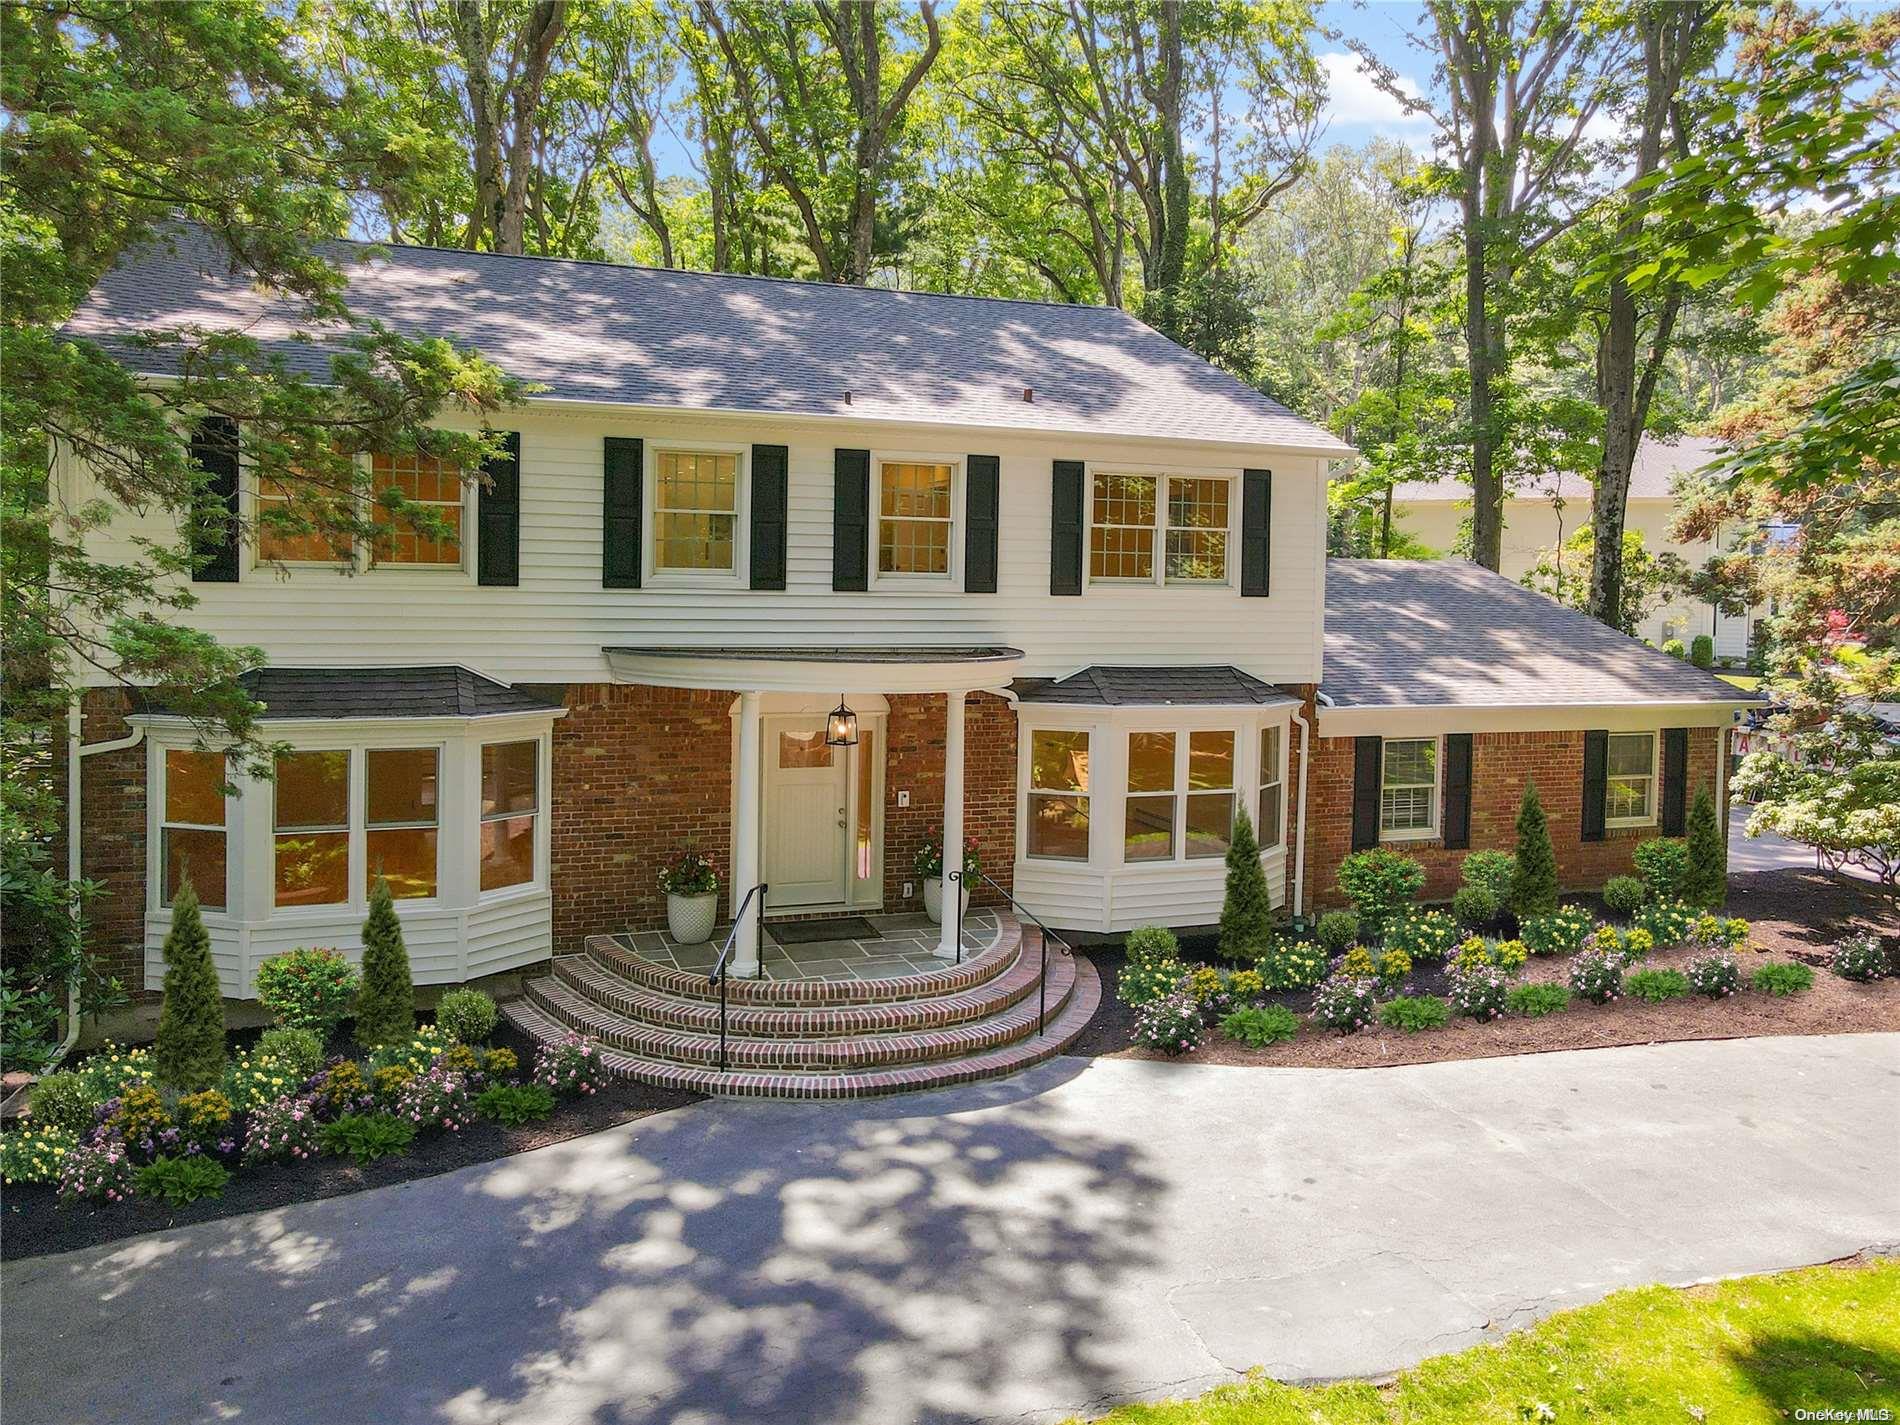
1207	686
1421	633
594	331
1652	477
447	691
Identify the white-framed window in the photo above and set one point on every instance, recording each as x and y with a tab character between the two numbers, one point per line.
323	824
192	826
916	517
402	820
274	545
1160	528
1057	823
697	497
1408	790
1629	793
310	828
1180	799
436	485
511	804
1272	806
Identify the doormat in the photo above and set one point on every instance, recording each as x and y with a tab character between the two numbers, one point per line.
806	932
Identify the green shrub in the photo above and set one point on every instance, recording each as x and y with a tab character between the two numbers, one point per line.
1675	648
1292	965
500	1063
182	1180
1474	906
1858	957
467	1016
1782	977
1706	884
386	1004
1702	651
1597	975
1623	894
64	1100
188	1053
111	1069
34	1152
300	1051
367	1136
1392	969
1536	1001
308	989
1414	1012
1336	930
1145	981
1662	863
1246	913
1380	884
254	1079
514	1104
1714	976
1423	934
1561	932
1170	1025
1347	1003
1261	1025
1534	877
1655	986
1153	943
1669	923
1492	871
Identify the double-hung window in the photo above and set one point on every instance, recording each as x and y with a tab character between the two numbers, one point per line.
1272	810
283	532
319	814
311	832
1408	793
402	812
915	500
511	802
1180	794
1630	790
1186	519
434	488
1058	813
192	830
696	512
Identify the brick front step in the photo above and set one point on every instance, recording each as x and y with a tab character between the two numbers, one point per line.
587	976
557	998
1064	1028
985	965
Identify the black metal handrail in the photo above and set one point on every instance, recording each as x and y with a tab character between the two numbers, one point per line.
1042	972
718	975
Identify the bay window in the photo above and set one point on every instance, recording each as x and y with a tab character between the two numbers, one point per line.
1058	819
1272	810
1630	791
696	512
1210	796
192	826
1408	792
402	811
1180	793
914	517
1187	518
511	774
311	831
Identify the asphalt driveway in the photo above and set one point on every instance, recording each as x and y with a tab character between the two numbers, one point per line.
1087	1233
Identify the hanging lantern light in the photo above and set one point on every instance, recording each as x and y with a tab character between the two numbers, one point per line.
841	728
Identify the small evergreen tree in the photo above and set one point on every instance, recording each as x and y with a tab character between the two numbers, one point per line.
1247	912
1534	878
386	1005
1706	883
189	1053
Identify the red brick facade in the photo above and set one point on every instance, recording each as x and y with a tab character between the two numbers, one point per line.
112	848
915	764
1501	763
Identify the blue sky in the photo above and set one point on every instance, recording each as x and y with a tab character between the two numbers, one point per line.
1358	110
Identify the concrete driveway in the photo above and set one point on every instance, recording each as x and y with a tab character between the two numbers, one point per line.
1085	1234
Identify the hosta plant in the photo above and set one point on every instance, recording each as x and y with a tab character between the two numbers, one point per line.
569	1066
1782	977
1261	1025
1655	986
1423	934
1413	1013
1171	1025
1145	981
1859	957
33	1153
1292	965
1714	976
99	1170
182	1180
1537	1000
1597	975
367	1136
1561	932
1347	1003
1478	993
308	989
283	1131
512	1105
1669	921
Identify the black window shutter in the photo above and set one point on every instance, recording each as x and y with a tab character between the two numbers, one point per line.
1256	532
1065	528
498	537
1596	781
769	516
214	533
1675	780
1457	821
980	507
623	494
851	520
1368	766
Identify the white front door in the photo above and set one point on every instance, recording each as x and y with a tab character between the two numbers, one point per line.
807	815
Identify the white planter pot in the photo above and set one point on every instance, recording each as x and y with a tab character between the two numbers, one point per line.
933	899
689	919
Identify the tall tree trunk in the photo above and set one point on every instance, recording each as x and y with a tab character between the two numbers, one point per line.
546	23
1170	264
477	48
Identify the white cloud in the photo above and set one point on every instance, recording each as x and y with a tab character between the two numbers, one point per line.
1353	97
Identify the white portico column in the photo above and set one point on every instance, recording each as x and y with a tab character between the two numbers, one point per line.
952	827
745	837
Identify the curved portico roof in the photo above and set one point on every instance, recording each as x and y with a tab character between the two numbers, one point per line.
844	668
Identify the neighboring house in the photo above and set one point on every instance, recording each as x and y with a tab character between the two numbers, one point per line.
1544	513
1068	577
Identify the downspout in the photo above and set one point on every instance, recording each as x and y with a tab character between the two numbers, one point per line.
1299	836
75	750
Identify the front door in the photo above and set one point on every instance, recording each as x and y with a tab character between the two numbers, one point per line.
807	815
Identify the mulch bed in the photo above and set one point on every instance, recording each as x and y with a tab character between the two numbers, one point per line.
33	1223
1795	915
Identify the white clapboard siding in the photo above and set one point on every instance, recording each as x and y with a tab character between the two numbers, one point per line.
1120	898
553	626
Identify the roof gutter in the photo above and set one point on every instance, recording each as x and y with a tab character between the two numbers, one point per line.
75	750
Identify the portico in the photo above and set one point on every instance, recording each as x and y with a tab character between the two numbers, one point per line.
806	805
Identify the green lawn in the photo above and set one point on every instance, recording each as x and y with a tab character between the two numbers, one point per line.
1747	682
1739	1352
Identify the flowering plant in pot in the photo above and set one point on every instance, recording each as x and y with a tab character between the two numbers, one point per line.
692	897
929	866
